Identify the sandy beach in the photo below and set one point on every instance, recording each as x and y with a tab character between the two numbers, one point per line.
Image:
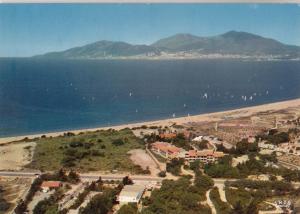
210	117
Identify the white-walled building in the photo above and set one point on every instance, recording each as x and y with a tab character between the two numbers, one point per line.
131	194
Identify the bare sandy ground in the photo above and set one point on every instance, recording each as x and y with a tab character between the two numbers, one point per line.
140	157
211	117
14	189
15	156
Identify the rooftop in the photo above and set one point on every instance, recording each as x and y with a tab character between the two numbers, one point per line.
168	135
132	190
53	184
166	147
206	152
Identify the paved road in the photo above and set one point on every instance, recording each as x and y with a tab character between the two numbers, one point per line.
86	176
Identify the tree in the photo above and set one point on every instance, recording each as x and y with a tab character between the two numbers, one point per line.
203	144
127	181
238	209
73	177
21	208
195	165
61	175
252	208
203	182
100	203
174	166
176	197
162	174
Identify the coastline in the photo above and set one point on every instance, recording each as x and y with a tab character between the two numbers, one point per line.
208	117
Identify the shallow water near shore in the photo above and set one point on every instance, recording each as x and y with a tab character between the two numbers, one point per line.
39	95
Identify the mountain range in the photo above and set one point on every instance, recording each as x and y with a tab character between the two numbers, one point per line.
232	44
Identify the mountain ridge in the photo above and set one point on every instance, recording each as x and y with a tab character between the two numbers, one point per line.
232	44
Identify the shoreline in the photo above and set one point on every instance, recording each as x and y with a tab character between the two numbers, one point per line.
207	117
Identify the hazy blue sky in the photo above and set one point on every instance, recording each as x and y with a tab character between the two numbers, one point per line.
29	29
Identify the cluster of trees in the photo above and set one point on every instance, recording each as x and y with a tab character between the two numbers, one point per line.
94	186
181	142
101	203
222	169
243	147
130	208
221	207
247	201
274	137
203	144
22	205
242	201
280	187
139	170
61	175
178	196
254	166
49	205
174	166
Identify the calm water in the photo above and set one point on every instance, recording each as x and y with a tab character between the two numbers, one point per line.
38	95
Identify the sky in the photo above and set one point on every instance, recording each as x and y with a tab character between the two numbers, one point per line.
31	29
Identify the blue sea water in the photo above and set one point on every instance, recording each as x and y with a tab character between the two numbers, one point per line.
40	95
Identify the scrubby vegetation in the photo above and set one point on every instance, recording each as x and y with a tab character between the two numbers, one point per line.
242	147
279	187
238	196
178	196
130	208
101	203
274	137
49	205
100	150
174	166
246	195
4	205
221	207
61	175
254	166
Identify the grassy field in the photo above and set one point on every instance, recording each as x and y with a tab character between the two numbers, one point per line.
90	151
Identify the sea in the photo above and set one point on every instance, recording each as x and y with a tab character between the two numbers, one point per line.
40	95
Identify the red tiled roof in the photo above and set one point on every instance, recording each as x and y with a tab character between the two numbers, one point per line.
195	153
168	135
51	184
166	147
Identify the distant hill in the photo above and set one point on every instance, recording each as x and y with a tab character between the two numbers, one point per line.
232	44
104	49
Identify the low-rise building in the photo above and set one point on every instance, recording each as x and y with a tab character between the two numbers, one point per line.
131	194
166	150
205	156
48	185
